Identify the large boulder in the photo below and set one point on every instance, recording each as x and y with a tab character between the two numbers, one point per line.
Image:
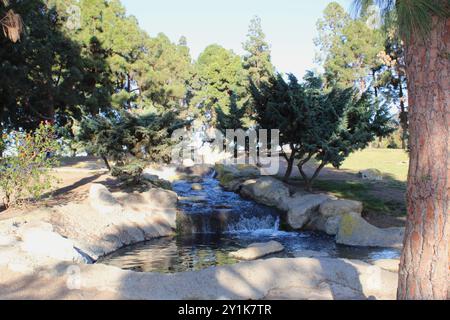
231	177
102	200
330	213
41	240
257	250
301	208
371	175
391	265
355	231
339	207
265	190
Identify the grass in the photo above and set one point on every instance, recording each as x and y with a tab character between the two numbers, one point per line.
379	197
362	191
392	163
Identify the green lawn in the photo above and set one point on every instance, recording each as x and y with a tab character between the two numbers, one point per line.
392	163
382	198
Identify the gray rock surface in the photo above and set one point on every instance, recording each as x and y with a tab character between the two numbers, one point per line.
265	190
301	208
355	231
103	201
334	208
257	250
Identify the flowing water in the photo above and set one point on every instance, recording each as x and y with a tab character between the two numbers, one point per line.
214	222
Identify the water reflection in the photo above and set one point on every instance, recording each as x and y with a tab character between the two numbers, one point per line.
214	223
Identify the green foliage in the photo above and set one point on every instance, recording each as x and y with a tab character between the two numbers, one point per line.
26	172
219	83
129	173
413	17
257	60
144	136
317	123
348	49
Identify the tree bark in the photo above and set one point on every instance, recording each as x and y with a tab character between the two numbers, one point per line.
424	267
290	161
105	160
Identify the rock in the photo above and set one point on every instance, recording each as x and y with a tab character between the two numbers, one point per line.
167	173
265	190
339	207
257	250
161	199
323	291
150	177
197	187
371	175
387	264
355	231
188	163
301	208
7	240
332	225
232	176
103	201
42	242
193	199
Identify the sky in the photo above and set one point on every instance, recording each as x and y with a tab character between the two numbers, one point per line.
290	25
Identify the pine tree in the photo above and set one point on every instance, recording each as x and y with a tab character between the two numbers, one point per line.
257	60
424	28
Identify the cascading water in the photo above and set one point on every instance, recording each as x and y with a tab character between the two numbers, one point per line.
213	222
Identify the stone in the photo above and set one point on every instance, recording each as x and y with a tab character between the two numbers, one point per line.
41	242
265	190
150	177
339	207
301	208
371	175
188	163
161	198
332	225
355	231
194	199
257	250
102	200
7	240
387	264
323	291
197	187
231	177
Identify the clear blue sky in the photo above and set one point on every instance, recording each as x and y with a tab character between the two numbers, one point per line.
288	24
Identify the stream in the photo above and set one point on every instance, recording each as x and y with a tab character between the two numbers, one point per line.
213	222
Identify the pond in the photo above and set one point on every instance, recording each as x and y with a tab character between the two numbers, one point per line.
214	222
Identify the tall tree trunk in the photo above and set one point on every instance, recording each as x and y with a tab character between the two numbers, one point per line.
424	267
105	160
290	166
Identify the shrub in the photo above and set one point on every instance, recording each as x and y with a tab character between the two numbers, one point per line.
129	173
25	173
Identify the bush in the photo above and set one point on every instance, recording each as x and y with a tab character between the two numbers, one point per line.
26	172
129	173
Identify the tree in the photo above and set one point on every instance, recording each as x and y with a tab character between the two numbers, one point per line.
348	48
320	124
257	58
43	75
425	29
218	75
145	136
